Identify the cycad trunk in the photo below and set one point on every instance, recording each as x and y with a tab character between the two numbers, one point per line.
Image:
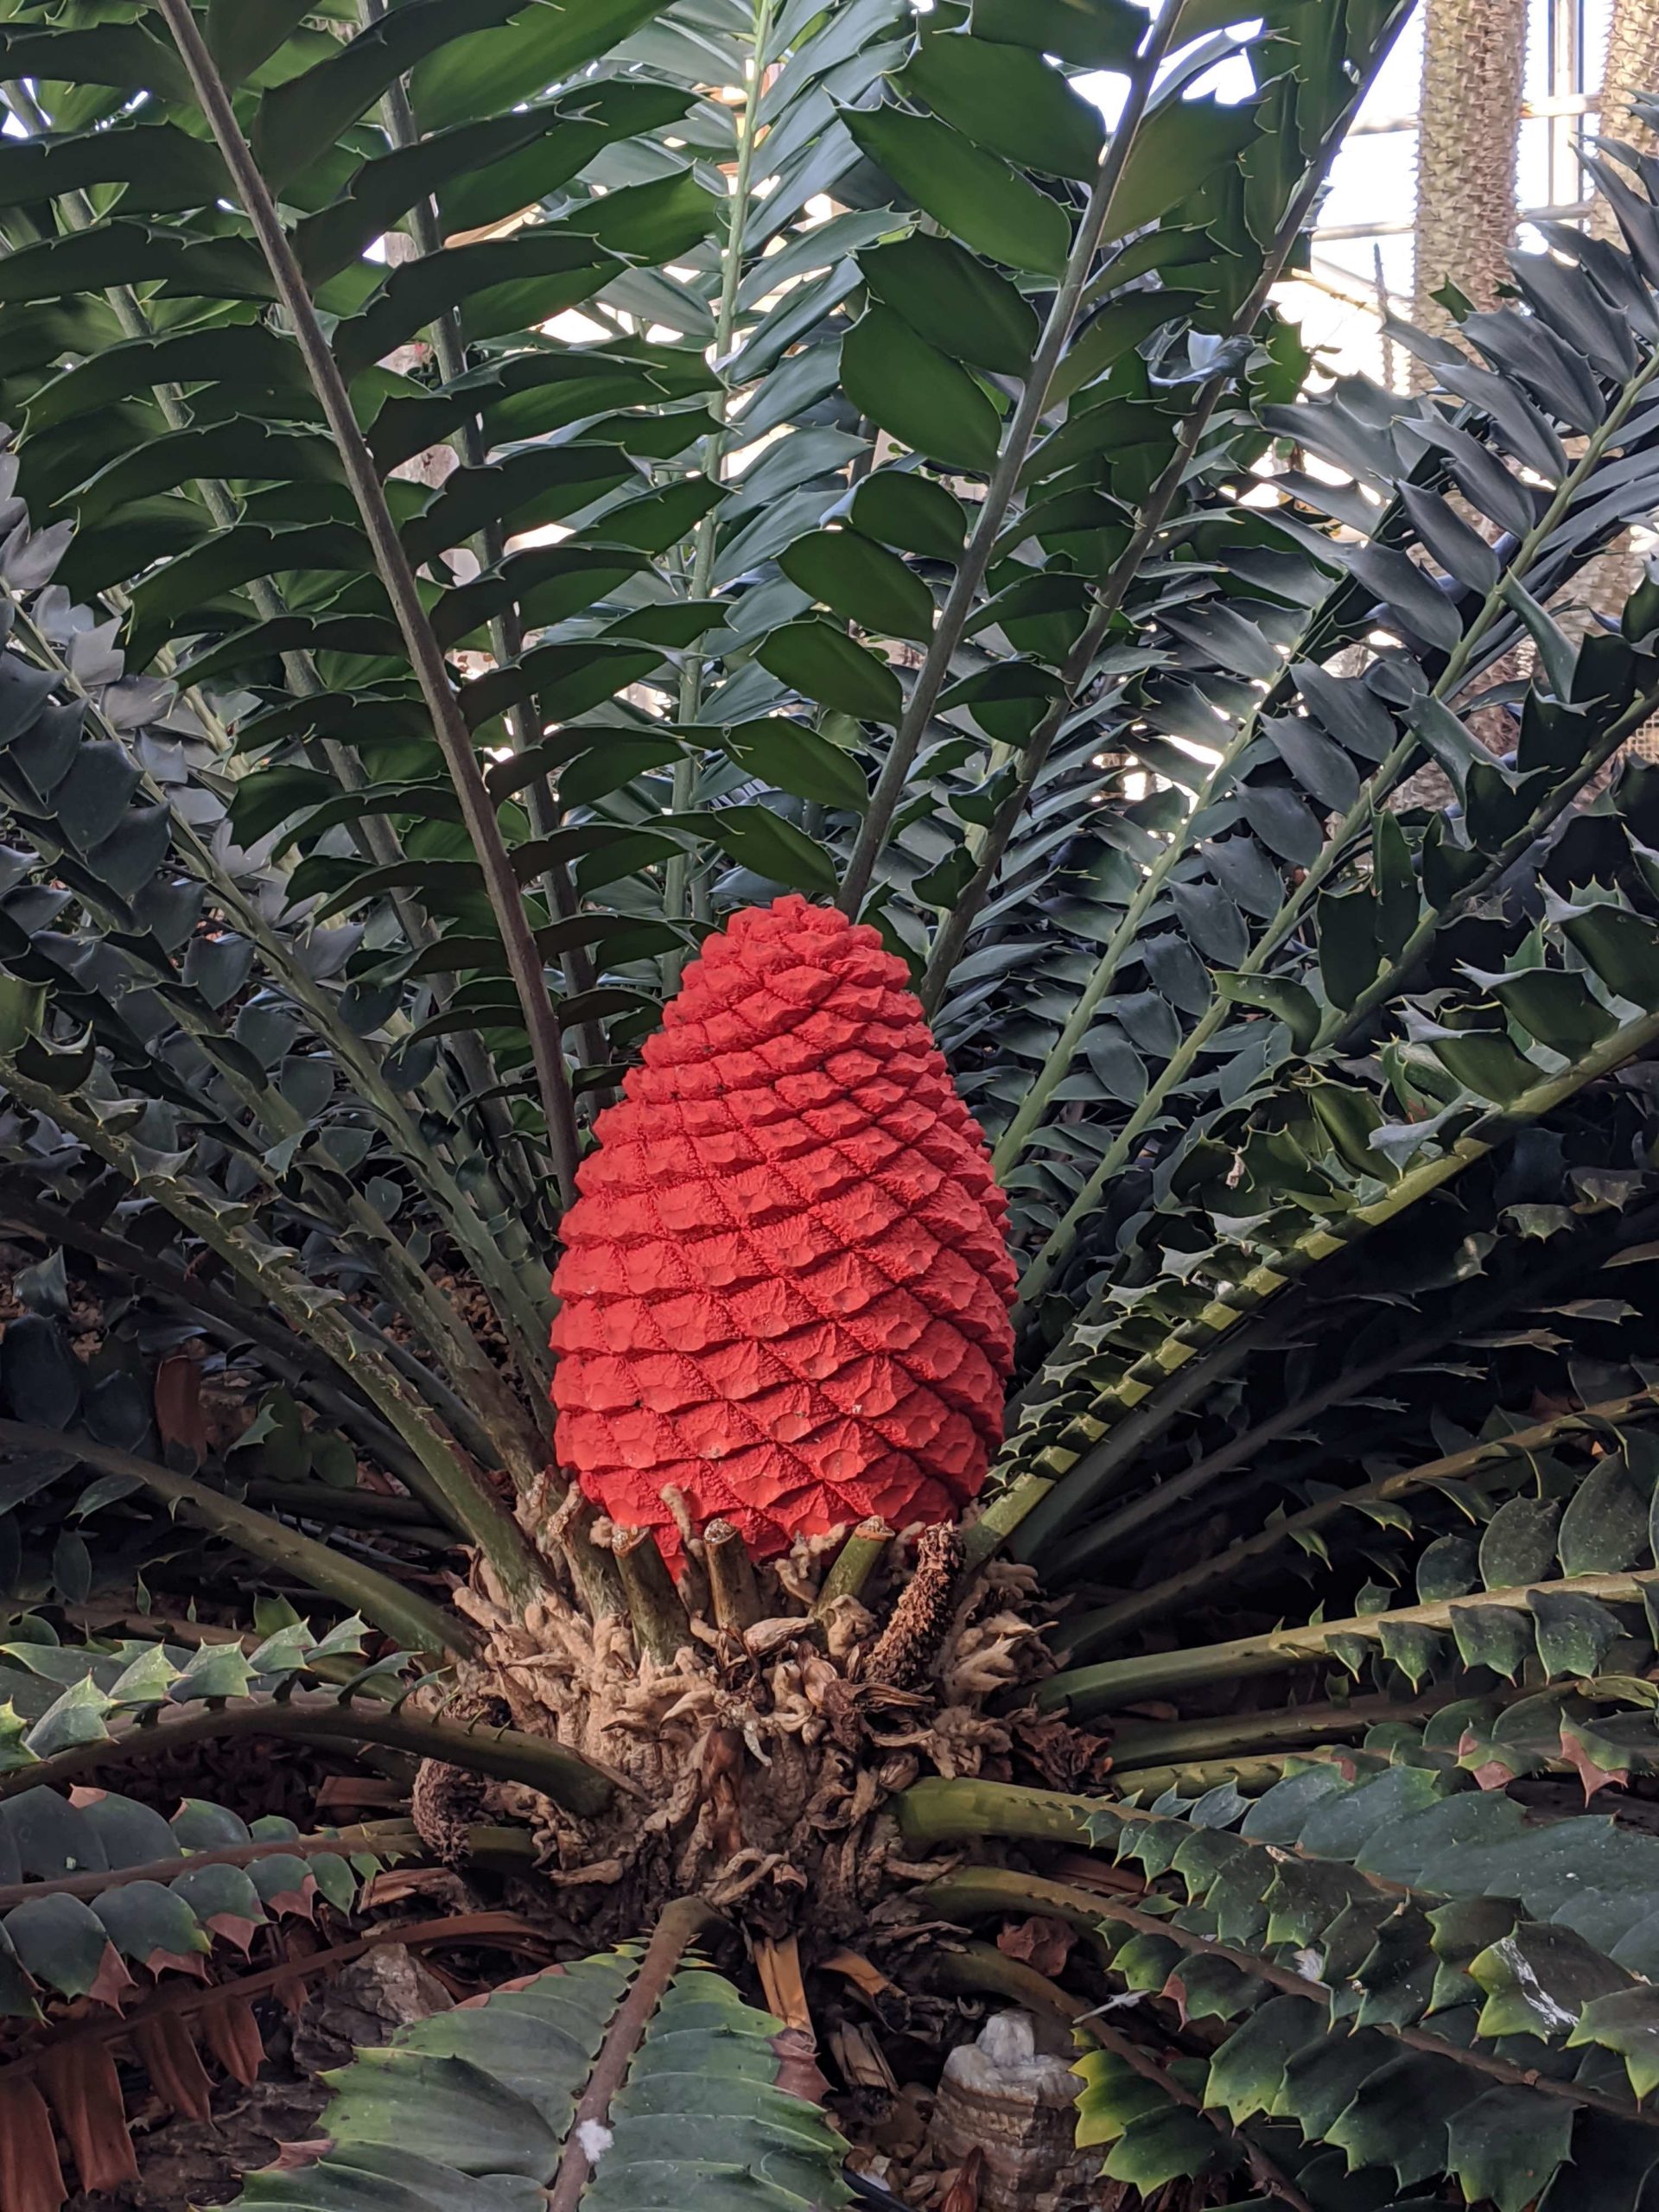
1474	53
757	1759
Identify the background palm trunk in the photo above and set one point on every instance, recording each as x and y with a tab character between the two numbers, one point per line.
1474	64
1474	53
1632	66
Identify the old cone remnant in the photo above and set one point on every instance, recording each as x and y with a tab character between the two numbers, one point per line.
786	1285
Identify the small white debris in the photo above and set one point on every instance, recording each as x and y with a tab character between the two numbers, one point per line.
595	2139
1309	1965
1120	2003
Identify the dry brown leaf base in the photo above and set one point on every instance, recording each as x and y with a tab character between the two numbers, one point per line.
757	1767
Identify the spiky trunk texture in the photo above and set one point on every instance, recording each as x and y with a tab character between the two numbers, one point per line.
1474	53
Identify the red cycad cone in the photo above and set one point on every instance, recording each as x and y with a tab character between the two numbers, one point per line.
785	1283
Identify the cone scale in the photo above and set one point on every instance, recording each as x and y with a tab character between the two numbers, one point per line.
785	1283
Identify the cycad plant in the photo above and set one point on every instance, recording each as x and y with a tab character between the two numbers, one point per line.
499	492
